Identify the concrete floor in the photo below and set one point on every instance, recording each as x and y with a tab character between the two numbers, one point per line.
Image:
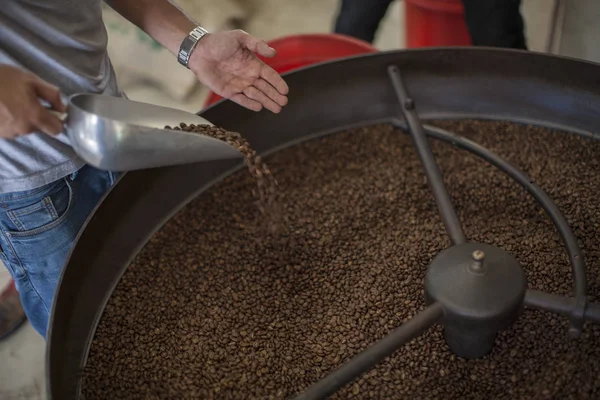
22	356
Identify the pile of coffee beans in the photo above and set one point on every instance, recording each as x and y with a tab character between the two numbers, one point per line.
208	309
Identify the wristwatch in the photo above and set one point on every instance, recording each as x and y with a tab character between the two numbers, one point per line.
189	44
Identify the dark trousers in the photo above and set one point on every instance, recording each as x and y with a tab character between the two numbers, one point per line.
496	23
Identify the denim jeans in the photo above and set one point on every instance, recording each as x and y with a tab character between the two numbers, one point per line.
37	232
496	23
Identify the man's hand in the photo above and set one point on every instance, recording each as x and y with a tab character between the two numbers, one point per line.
20	109
226	63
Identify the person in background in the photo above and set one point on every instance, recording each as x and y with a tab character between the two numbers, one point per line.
496	23
54	47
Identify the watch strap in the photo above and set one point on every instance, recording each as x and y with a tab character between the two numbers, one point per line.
189	44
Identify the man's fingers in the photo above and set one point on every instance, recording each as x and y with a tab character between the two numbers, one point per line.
49	93
255	94
274	79
256	45
47	122
245	101
270	91
264	49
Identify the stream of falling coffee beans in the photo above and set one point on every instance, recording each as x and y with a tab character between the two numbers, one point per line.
266	184
211	310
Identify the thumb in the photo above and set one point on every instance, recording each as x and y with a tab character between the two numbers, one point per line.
256	45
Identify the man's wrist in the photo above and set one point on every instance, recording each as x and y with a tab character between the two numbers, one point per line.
189	45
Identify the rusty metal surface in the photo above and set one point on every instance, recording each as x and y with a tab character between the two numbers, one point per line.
446	83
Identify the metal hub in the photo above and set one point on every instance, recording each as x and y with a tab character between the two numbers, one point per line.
482	290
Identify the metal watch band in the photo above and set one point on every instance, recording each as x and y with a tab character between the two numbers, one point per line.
189	44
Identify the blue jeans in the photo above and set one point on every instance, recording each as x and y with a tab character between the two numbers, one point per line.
37	232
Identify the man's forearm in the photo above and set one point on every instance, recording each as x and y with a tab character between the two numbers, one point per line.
160	19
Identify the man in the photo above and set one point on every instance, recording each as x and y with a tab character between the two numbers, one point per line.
496	23
54	47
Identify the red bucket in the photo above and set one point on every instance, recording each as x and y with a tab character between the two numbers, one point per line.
298	51
431	23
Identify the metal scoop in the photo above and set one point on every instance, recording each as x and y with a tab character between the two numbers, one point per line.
117	134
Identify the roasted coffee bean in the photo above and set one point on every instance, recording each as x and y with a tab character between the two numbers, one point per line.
214	309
